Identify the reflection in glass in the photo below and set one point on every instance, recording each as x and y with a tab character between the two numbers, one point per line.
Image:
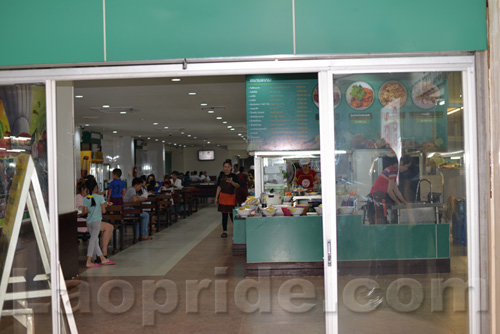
401	198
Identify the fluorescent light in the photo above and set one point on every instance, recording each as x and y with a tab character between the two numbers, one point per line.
210	111
208	142
232	129
192	93
182	132
218	117
156	139
163	141
175	79
203	104
16	150
115	131
155	123
105	106
455	158
225	122
229	126
87	124
189	135
123	112
239	134
454	110
165	127
340	152
149	138
78	96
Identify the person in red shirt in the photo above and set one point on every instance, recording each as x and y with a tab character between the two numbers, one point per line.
306	177
385	190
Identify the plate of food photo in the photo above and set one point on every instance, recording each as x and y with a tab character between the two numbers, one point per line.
425	94
359	95
337	96
392	91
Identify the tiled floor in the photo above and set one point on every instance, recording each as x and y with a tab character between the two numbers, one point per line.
187	281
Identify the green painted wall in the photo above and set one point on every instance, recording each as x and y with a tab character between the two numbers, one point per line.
50	32
296	239
284	239
159	29
61	31
386	242
341	26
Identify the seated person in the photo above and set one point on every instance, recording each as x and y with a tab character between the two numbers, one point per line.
131	196
386	191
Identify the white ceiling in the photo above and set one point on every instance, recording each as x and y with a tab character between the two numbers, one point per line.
168	104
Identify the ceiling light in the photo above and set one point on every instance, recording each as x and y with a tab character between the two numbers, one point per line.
87	124
182	132
163	141
232	129
165	127
149	138
229	126
175	79
189	135
115	131
203	104
105	106
239	134
140	136
78	96
156	139
192	93
208	142
155	123
195	138
218	117
123	112
175	144
225	122
210	111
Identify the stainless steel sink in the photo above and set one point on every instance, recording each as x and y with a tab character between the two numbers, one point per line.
418	213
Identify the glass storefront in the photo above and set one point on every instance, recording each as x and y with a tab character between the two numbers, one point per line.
401	202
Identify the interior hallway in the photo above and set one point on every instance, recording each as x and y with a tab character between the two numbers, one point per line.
191	256
182	255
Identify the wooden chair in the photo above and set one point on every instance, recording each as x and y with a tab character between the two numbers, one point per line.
179	204
114	216
151	207
164	205
132	216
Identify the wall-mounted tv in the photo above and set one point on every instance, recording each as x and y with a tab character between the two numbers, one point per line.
206	155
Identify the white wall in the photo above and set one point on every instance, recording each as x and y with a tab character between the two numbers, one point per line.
213	168
151	160
118	153
66	169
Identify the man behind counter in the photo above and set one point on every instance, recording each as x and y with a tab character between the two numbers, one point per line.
306	177
385	191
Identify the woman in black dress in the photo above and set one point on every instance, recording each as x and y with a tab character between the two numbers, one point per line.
225	196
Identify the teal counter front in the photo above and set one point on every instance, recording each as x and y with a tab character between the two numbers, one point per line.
294	246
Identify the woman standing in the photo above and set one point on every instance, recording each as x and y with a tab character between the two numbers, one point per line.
225	196
95	205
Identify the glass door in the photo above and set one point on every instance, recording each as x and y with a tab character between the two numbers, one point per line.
402	204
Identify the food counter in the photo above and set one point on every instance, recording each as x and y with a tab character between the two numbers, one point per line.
294	246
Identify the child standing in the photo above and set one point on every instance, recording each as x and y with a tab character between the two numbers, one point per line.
116	188
94	205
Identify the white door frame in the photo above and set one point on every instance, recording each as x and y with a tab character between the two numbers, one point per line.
326	68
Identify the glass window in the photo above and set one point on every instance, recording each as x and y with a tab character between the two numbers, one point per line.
24	252
401	202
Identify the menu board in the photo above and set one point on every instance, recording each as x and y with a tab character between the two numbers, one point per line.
282	113
402	111
366	106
